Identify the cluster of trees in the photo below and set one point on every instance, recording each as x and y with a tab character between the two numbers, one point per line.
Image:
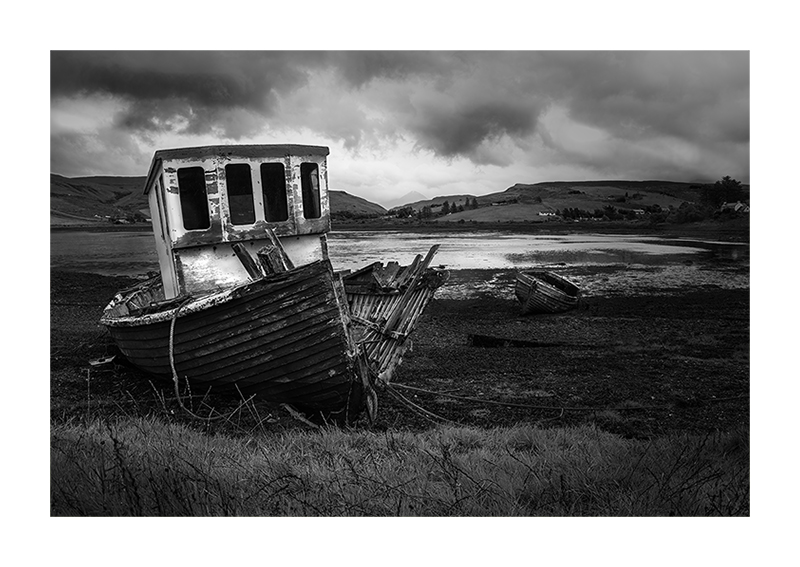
609	212
469	204
122	217
726	190
712	196
576	213
429	211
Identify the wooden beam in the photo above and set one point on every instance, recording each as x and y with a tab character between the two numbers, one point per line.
271	259
253	269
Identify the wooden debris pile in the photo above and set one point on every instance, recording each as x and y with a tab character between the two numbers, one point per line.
385	304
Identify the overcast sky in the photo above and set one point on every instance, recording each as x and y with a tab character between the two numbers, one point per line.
434	122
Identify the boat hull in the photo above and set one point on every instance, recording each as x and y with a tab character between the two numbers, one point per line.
282	338
539	291
385	306
385	350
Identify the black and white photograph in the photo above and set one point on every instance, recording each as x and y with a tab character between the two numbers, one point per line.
504	285
400	283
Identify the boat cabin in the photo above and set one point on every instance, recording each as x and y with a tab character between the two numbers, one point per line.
204	200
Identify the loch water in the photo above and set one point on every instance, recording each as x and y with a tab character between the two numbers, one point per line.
132	253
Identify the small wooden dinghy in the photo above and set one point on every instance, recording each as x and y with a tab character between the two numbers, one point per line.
247	299
540	291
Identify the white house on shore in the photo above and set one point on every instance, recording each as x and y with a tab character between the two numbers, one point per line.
738	207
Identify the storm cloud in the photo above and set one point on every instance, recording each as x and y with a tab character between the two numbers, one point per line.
533	114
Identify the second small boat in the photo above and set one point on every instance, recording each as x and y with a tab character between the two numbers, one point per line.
540	291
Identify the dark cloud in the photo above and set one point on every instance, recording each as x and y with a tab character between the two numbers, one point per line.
195	86
453	104
209	78
107	152
358	68
456	102
460	131
690	95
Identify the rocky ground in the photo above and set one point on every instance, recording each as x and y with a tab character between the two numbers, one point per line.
648	352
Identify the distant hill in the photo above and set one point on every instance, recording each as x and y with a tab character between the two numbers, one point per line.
525	202
91	199
86	200
410	197
345	205
439	201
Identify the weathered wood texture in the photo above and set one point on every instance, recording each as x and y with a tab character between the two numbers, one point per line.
282	337
385	305
253	269
539	291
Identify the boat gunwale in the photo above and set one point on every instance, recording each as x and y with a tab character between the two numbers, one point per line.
199	304
532	276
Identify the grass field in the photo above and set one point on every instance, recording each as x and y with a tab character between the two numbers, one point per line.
154	467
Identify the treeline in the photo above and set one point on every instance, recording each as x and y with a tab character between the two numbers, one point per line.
710	207
726	190
710	198
431	211
127	218
655	214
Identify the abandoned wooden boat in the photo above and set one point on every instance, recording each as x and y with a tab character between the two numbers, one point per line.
385	303
247	298
540	291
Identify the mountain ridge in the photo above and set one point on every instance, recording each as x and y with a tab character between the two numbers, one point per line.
409	197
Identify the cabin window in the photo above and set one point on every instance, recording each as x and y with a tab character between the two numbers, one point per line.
194	202
240	193
273	183
309	179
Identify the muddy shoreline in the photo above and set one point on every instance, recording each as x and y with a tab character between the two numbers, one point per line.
737	230
662	359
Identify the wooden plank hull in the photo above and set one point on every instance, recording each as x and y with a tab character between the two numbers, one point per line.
386	304
539	291
283	338
385	350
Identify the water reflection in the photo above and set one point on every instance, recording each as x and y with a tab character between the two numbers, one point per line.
505	250
132	253
108	253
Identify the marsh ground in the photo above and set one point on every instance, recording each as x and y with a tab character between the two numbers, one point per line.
665	358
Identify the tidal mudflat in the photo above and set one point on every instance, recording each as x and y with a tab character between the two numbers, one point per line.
659	343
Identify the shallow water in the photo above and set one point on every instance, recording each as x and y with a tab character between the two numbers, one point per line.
492	250
107	253
642	261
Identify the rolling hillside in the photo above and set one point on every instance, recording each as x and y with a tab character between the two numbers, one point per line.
78	200
344	204
524	202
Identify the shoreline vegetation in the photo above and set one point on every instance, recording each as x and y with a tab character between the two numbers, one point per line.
733	230
639	406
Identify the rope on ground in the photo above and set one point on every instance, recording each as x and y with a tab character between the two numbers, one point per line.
299	416
429	415
175	379
556	408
